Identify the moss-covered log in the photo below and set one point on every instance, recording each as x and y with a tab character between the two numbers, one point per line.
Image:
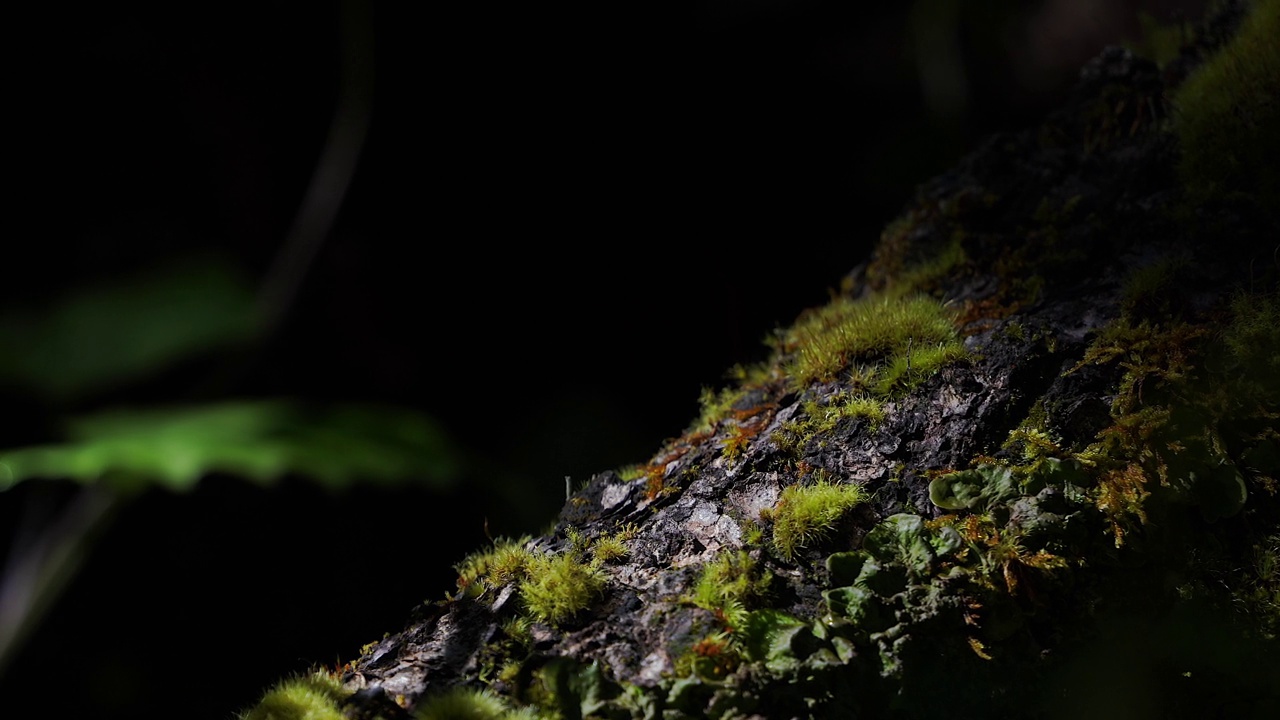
1023	464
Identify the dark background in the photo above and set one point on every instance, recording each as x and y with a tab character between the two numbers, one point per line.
564	223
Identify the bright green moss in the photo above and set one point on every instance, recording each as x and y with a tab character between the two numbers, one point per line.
609	547
732	579
861	406
309	697
560	586
1227	114
823	417
907	369
867	336
715	406
462	703
806	514
493	567
634	471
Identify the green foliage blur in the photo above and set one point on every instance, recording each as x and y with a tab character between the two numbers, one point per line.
132	329
116	339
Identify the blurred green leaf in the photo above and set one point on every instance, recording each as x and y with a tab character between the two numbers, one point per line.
259	440
125	330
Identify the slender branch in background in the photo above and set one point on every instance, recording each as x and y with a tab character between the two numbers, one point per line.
334	170
39	569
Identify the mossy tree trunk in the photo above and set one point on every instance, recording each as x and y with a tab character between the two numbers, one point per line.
1024	464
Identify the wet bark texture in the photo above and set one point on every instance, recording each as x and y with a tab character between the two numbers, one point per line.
1072	516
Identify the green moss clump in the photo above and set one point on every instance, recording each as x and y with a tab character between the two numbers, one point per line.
309	697
824	417
1228	112
729	583
560	586
611	547
502	564
908	369
461	703
871	338
821	416
805	514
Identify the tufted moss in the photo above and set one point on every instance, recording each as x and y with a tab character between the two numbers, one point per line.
807	514
730	581
883	344
461	703
503	563
560	586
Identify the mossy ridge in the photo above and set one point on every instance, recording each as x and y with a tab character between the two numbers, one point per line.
873	349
